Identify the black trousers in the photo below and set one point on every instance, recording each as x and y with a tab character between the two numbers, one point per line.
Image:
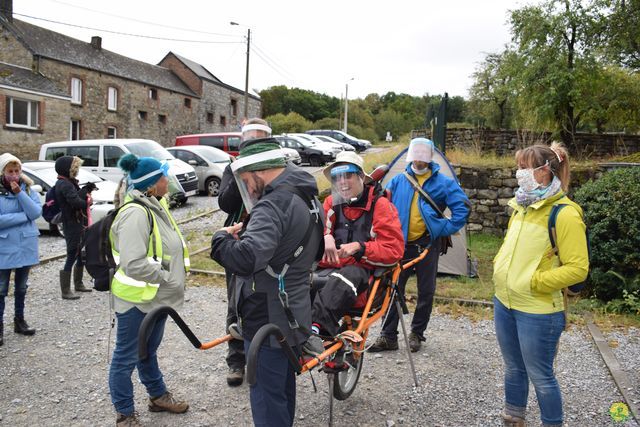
337	296
235	353
426	272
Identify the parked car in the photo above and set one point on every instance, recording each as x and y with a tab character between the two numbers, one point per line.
336	148
325	138
308	152
101	157
208	162
45	176
229	142
358	144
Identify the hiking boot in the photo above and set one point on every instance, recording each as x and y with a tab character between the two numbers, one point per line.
414	342
383	344
512	421
235	376
167	403
313	346
128	420
20	326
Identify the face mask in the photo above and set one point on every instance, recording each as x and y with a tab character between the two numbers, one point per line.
419	171
12	178
526	178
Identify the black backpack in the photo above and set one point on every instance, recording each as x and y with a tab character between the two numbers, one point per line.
96	248
51	209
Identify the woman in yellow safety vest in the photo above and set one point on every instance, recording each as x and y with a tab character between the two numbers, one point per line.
152	263
529	277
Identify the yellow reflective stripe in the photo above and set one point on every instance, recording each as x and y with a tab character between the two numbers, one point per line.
185	251
126	280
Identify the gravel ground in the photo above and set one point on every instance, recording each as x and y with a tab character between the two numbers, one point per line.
58	377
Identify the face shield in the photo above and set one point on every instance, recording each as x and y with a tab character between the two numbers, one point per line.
347	183
420	149
245	172
255	131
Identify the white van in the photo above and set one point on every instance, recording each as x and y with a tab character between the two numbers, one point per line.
101	158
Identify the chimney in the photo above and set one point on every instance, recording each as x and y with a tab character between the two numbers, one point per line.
96	42
6	9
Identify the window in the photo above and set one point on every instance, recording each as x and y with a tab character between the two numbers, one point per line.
153	94
111	155
76	90
209	117
233	142
234	107
187	156
74	131
89	155
162	118
22	113
112	103
187	102
142	115
112	132
213	141
223	121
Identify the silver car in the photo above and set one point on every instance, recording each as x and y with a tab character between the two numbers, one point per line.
45	176
209	163
344	145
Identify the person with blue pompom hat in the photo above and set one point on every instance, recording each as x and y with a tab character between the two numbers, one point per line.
153	261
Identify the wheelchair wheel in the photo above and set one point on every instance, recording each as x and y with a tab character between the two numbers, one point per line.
345	381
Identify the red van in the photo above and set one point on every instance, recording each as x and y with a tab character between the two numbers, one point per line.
228	142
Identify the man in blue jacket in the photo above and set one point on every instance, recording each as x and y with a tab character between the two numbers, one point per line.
423	226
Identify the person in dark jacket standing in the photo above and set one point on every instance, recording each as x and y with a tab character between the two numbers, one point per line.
19	209
73	202
230	201
261	257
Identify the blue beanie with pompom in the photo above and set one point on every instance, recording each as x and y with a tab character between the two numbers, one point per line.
143	172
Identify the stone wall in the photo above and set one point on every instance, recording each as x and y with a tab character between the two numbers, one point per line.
489	189
506	142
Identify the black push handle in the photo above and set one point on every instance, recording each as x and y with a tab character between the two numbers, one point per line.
258	339
149	322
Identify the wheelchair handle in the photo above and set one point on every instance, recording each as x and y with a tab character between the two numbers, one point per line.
258	339
149	322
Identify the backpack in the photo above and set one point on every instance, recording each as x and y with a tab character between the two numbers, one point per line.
96	248
553	216
51	209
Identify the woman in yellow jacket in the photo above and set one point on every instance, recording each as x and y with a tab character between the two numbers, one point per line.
529	278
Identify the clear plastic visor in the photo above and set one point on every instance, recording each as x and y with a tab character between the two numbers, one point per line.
347	183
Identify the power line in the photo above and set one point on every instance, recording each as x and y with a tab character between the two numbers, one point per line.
143	22
126	34
271	66
271	62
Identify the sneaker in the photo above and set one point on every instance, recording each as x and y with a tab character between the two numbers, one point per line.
414	342
235	377
313	346
383	344
168	403
131	420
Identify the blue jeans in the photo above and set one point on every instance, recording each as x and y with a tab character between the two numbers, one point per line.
20	279
125	359
273	397
529	344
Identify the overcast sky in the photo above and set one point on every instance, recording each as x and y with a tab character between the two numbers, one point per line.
413	47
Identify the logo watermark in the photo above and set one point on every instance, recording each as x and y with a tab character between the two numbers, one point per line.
619	412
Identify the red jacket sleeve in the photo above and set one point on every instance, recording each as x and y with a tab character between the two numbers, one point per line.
387	241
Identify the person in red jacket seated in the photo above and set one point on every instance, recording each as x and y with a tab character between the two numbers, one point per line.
362	233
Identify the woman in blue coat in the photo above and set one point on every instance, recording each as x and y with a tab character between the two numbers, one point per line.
19	209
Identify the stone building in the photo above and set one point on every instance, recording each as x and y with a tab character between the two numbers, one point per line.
54	87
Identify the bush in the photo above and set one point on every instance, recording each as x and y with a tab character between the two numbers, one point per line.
291	123
612	213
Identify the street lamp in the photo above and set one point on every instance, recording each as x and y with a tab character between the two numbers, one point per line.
246	76
346	103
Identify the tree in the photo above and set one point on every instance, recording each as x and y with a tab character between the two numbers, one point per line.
555	42
491	95
290	123
620	35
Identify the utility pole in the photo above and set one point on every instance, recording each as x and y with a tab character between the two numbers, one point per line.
346	104
246	75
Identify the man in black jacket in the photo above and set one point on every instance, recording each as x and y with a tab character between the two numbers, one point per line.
230	201
279	199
